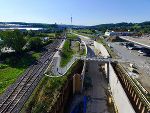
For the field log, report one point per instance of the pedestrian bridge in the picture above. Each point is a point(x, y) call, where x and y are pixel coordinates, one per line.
point(99, 59)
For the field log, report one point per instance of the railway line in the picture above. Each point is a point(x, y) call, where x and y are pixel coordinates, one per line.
point(16, 98)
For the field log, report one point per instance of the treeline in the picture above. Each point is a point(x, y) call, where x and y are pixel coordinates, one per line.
point(143, 27)
point(23, 24)
point(26, 40)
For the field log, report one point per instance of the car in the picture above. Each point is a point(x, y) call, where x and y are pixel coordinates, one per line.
point(130, 45)
point(141, 52)
point(130, 48)
point(136, 48)
point(91, 44)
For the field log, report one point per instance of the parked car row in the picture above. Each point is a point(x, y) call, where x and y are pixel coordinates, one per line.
point(141, 50)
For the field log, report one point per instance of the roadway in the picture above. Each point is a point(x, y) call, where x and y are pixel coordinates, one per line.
point(97, 93)
point(97, 98)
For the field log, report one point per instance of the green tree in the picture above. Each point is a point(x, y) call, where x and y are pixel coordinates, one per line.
point(0, 46)
point(35, 43)
point(13, 39)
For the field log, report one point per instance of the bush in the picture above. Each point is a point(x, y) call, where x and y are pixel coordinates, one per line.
point(3, 66)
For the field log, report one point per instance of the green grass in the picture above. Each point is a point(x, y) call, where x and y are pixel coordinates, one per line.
point(10, 71)
point(76, 47)
point(67, 54)
point(36, 55)
point(71, 36)
point(88, 35)
point(8, 76)
point(85, 31)
point(44, 96)
point(83, 52)
point(51, 35)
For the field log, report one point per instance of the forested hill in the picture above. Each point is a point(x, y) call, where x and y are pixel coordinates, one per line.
point(36, 25)
point(143, 27)
point(23, 24)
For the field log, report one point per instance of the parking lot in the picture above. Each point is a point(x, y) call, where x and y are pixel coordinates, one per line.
point(141, 61)
point(143, 39)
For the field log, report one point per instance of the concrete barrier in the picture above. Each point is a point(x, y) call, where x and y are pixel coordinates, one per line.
point(119, 96)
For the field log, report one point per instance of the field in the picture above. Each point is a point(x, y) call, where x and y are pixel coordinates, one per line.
point(10, 72)
point(72, 36)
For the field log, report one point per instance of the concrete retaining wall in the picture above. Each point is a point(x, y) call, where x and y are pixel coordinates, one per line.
point(84, 67)
point(121, 100)
point(119, 96)
point(100, 47)
point(83, 75)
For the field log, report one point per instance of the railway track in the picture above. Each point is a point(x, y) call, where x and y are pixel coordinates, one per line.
point(30, 79)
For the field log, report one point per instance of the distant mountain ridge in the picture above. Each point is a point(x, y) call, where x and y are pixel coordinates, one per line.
point(143, 26)
point(39, 25)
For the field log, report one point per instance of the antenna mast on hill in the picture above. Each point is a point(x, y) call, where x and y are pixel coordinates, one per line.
point(71, 20)
point(71, 25)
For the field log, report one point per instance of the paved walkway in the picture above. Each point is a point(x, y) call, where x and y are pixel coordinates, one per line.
point(56, 69)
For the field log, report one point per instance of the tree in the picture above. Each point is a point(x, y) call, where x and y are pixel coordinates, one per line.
point(35, 43)
point(0, 46)
point(58, 33)
point(13, 39)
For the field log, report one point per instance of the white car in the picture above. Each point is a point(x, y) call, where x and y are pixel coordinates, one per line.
point(130, 48)
point(141, 52)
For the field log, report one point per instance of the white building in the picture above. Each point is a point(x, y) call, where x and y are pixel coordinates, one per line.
point(109, 33)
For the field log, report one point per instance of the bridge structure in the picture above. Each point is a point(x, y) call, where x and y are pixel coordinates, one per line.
point(64, 38)
point(102, 59)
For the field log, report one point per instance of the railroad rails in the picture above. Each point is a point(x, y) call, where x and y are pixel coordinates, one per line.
point(15, 99)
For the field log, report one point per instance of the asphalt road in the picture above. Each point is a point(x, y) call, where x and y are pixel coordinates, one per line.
point(90, 52)
point(97, 98)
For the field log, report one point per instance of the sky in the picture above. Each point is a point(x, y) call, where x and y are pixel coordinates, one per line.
point(83, 12)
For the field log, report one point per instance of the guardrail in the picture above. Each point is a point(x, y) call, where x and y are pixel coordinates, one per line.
point(141, 95)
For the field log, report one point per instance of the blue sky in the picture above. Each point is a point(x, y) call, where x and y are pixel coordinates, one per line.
point(84, 12)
